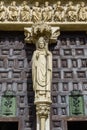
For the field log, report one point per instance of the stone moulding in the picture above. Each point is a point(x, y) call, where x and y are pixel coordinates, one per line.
point(68, 15)
point(59, 11)
point(64, 26)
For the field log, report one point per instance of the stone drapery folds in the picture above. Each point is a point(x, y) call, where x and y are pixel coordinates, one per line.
point(41, 35)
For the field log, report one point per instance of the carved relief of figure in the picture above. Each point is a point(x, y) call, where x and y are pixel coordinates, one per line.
point(36, 12)
point(13, 11)
point(59, 12)
point(25, 12)
point(71, 12)
point(82, 13)
point(2, 11)
point(42, 70)
point(47, 12)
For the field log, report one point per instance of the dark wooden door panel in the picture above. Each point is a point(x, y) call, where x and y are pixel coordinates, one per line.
point(69, 73)
point(15, 72)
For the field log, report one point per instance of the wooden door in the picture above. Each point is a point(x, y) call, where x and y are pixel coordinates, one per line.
point(69, 74)
point(15, 73)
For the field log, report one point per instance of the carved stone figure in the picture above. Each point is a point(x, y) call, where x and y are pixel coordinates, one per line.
point(25, 12)
point(42, 71)
point(71, 12)
point(13, 12)
point(47, 12)
point(59, 12)
point(2, 11)
point(82, 13)
point(42, 34)
point(36, 12)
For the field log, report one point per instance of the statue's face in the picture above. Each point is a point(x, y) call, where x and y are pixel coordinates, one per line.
point(13, 3)
point(37, 4)
point(41, 43)
point(1, 3)
point(70, 3)
point(46, 3)
point(24, 3)
point(82, 4)
point(59, 3)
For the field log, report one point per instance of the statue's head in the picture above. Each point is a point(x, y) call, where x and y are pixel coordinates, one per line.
point(24, 3)
point(13, 3)
point(41, 43)
point(70, 3)
point(36, 3)
point(82, 4)
point(2, 3)
point(46, 3)
point(58, 2)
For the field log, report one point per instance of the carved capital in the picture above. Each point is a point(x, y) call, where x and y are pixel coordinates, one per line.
point(55, 34)
point(43, 109)
point(43, 112)
point(41, 30)
point(28, 35)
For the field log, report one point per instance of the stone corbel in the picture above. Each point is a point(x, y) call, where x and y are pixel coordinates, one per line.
point(29, 34)
point(55, 34)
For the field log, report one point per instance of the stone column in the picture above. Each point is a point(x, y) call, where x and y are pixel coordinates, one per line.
point(43, 111)
point(41, 35)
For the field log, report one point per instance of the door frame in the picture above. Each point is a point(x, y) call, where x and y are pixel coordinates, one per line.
point(12, 119)
point(73, 119)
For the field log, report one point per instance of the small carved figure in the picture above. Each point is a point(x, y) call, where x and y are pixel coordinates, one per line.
point(13, 12)
point(71, 12)
point(2, 11)
point(82, 13)
point(25, 12)
point(59, 12)
point(47, 12)
point(36, 13)
point(42, 70)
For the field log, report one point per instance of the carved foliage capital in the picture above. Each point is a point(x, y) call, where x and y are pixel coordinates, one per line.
point(41, 30)
point(43, 109)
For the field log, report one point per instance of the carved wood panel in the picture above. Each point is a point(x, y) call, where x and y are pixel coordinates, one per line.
point(15, 72)
point(69, 73)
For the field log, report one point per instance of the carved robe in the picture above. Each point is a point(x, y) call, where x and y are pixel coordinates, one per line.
point(82, 14)
point(47, 13)
point(2, 13)
point(25, 13)
point(42, 72)
point(13, 13)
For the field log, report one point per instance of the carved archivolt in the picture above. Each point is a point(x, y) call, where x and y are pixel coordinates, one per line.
point(57, 12)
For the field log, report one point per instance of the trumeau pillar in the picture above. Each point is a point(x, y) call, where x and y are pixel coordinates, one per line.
point(41, 35)
point(68, 15)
